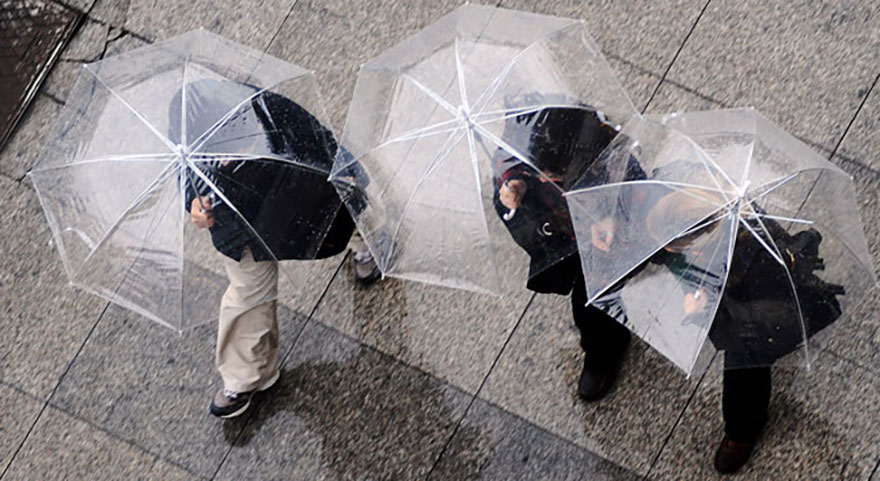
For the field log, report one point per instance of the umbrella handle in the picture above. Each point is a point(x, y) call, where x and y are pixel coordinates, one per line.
point(212, 196)
point(509, 215)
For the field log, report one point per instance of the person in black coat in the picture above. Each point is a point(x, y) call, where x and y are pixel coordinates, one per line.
point(284, 209)
point(758, 320)
point(563, 142)
point(266, 200)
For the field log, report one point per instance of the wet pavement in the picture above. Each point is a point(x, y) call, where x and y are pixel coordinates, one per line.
point(403, 381)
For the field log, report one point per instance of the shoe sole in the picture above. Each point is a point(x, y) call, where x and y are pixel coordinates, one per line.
point(237, 413)
point(368, 280)
point(265, 386)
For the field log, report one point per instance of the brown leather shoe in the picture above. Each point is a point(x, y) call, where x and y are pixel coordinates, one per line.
point(732, 455)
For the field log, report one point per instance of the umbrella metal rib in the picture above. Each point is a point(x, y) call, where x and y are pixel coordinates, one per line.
point(137, 200)
point(134, 111)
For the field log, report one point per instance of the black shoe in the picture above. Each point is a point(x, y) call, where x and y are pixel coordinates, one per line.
point(229, 404)
point(600, 372)
point(732, 455)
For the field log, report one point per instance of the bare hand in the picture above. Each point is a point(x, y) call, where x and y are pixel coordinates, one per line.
point(602, 233)
point(695, 302)
point(511, 193)
point(201, 216)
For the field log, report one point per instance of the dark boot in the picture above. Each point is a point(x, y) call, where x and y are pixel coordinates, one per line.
point(601, 369)
point(604, 341)
point(744, 402)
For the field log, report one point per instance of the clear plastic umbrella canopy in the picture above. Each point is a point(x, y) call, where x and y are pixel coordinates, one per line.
point(736, 237)
point(192, 121)
point(439, 120)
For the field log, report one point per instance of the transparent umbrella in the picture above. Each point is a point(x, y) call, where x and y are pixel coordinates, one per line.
point(738, 238)
point(439, 120)
point(195, 122)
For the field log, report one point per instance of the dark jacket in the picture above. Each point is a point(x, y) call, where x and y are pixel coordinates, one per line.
point(290, 209)
point(562, 142)
point(757, 321)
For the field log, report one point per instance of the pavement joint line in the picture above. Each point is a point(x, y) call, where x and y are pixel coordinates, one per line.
point(119, 437)
point(855, 363)
point(550, 433)
point(651, 73)
point(280, 27)
point(398, 362)
point(675, 57)
point(430, 375)
point(875, 471)
point(480, 388)
point(855, 115)
point(282, 362)
point(680, 417)
point(53, 98)
point(54, 389)
point(458, 388)
point(384, 354)
point(21, 391)
point(835, 152)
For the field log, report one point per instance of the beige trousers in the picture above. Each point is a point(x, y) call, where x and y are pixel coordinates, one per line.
point(247, 340)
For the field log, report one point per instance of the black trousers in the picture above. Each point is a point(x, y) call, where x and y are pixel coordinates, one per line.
point(602, 337)
point(744, 402)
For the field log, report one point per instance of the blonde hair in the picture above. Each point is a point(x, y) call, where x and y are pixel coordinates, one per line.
point(682, 207)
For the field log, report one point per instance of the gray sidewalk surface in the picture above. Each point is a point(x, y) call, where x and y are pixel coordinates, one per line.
point(372, 387)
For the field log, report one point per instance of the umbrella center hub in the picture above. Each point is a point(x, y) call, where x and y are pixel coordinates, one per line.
point(465, 115)
point(182, 153)
point(741, 200)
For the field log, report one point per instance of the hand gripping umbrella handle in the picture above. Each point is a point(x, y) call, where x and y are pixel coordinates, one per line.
point(212, 196)
point(509, 215)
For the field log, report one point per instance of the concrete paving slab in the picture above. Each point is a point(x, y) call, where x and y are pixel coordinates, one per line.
point(111, 12)
point(345, 411)
point(24, 146)
point(676, 98)
point(333, 38)
point(44, 320)
point(62, 447)
point(249, 22)
point(822, 426)
point(807, 65)
point(512, 449)
point(638, 82)
point(81, 5)
point(86, 46)
point(536, 379)
point(643, 32)
point(18, 412)
point(449, 333)
point(858, 156)
point(146, 384)
point(88, 42)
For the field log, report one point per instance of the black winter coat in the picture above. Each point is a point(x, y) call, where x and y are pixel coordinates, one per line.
point(563, 142)
point(295, 212)
point(757, 321)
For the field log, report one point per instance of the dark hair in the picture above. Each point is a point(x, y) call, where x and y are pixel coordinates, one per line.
point(559, 135)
